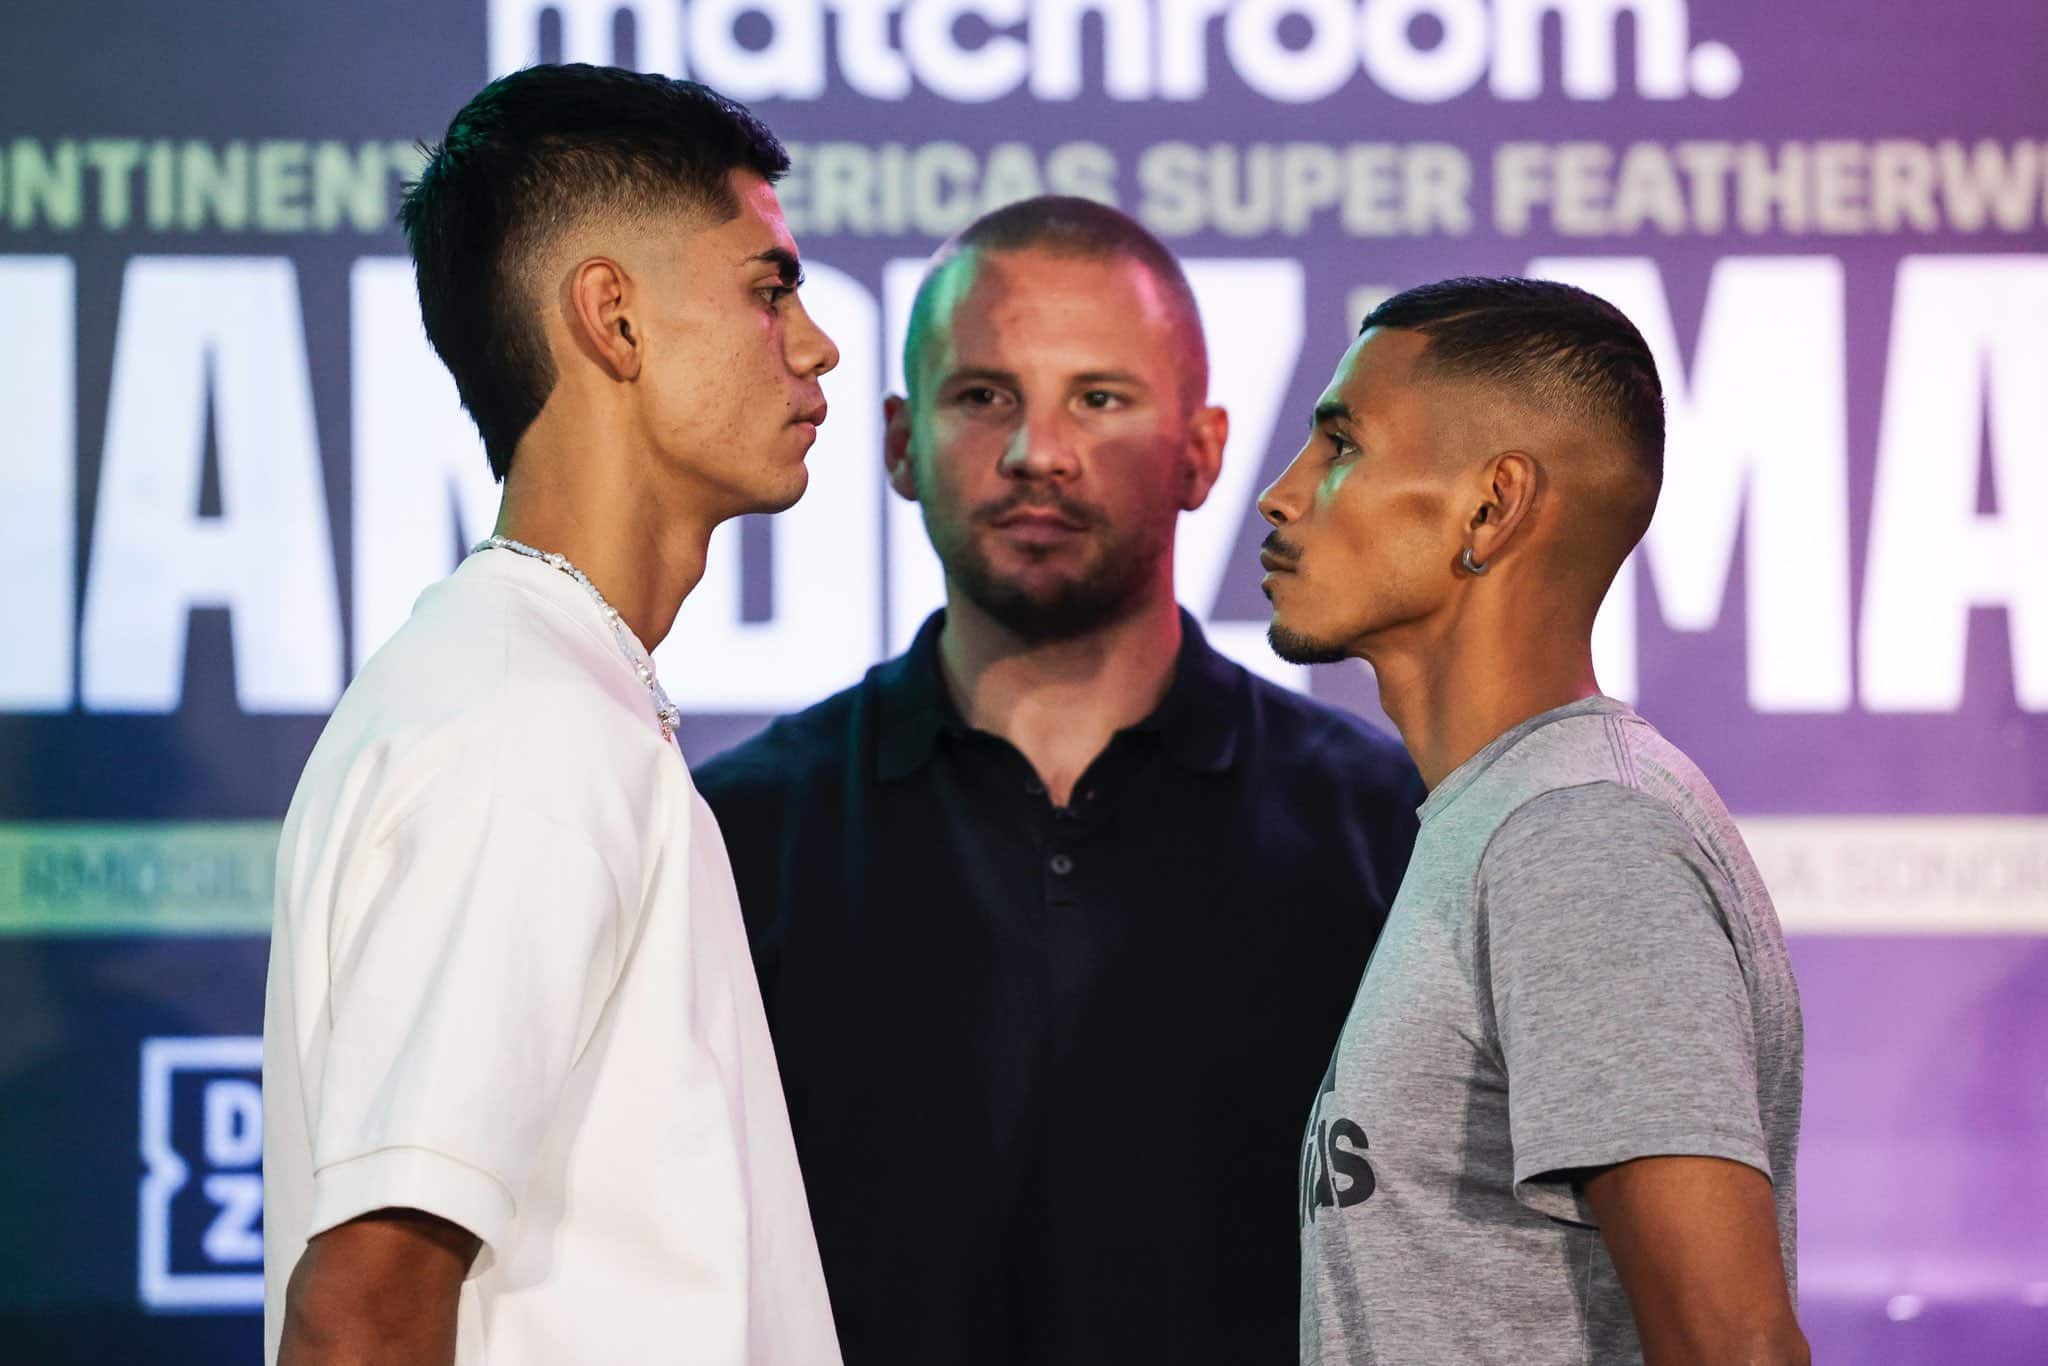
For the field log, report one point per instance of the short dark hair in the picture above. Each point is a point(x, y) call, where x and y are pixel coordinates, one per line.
point(1563, 347)
point(530, 154)
point(1067, 225)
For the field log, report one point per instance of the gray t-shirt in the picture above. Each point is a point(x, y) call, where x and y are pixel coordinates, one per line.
point(1582, 967)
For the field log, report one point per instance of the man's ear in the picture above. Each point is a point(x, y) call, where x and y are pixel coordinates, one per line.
point(1208, 431)
point(1512, 481)
point(603, 319)
point(896, 447)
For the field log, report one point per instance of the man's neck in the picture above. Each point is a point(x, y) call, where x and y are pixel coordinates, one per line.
point(643, 554)
point(1059, 702)
point(1465, 689)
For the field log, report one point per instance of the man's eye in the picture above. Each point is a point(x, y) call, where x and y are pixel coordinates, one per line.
point(1340, 449)
point(1102, 398)
point(773, 295)
point(978, 396)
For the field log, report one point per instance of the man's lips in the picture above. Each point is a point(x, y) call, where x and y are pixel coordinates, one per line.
point(1274, 564)
point(1036, 519)
point(814, 415)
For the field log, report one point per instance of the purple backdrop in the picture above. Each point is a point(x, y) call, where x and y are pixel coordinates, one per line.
point(229, 463)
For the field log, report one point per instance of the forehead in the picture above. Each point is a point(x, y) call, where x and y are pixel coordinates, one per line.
point(1377, 366)
point(1377, 381)
point(1034, 305)
point(757, 227)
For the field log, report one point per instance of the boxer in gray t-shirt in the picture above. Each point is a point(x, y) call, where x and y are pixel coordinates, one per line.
point(1582, 968)
point(1561, 1121)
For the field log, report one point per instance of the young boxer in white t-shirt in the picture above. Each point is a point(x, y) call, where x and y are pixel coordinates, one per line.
point(521, 1105)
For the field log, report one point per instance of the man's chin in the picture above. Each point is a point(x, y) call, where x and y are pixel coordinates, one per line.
point(1046, 608)
point(1298, 648)
point(784, 496)
point(1062, 617)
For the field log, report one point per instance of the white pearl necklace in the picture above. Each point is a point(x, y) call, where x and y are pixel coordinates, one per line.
point(665, 711)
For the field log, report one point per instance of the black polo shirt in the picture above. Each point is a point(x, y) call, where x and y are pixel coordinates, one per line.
point(1048, 1068)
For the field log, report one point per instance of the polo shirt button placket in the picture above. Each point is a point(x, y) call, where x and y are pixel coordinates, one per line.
point(1059, 880)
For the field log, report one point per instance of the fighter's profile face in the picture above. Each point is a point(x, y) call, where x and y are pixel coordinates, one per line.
point(732, 394)
point(1363, 527)
point(1048, 439)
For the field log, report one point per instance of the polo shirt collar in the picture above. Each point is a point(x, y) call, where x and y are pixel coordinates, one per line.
point(1196, 722)
point(912, 707)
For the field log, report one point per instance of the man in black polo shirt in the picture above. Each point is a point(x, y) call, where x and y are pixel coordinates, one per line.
point(1056, 914)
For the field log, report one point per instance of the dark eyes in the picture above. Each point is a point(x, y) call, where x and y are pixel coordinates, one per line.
point(1340, 449)
point(988, 396)
point(773, 295)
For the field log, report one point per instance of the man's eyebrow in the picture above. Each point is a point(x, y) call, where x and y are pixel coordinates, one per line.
point(1333, 410)
point(984, 373)
point(1111, 377)
point(783, 259)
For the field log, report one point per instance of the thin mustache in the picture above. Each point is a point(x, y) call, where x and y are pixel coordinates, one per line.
point(1280, 549)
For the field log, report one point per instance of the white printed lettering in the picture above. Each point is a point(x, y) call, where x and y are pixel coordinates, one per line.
point(1590, 47)
point(969, 75)
point(38, 480)
point(1756, 436)
point(791, 65)
point(222, 331)
point(1969, 349)
point(420, 486)
point(1126, 48)
point(235, 1235)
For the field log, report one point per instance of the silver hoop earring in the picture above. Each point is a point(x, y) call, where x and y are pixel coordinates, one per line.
point(1470, 565)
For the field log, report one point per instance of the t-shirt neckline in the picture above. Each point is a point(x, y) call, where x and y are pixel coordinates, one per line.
point(559, 588)
point(1467, 773)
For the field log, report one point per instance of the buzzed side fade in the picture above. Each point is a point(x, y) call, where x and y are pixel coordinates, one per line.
point(1546, 342)
point(529, 155)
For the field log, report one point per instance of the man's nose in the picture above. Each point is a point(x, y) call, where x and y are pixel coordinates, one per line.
point(811, 352)
point(1280, 502)
point(1270, 506)
point(1041, 448)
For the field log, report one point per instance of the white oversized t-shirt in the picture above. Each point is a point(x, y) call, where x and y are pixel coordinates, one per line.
point(510, 986)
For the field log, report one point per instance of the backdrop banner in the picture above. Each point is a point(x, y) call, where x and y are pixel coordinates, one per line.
point(229, 462)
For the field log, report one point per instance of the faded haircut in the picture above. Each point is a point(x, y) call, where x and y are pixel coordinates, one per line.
point(1551, 344)
point(1066, 225)
point(532, 154)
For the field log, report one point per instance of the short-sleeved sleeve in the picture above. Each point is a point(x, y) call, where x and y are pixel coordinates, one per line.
point(1619, 1004)
point(468, 966)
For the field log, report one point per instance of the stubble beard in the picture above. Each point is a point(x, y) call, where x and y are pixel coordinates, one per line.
point(1296, 648)
point(1109, 590)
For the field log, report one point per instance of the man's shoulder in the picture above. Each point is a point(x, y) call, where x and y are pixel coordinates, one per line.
point(1298, 731)
point(489, 693)
point(793, 752)
point(486, 634)
point(1600, 810)
point(517, 669)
